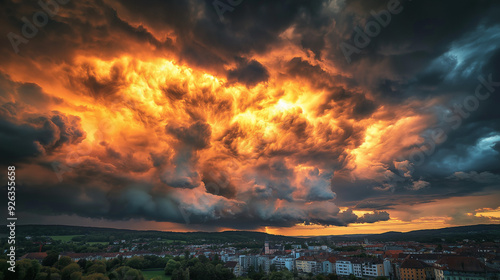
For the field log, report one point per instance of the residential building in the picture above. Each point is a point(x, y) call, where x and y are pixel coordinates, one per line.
point(344, 267)
point(463, 268)
point(413, 269)
point(360, 267)
point(39, 256)
point(372, 269)
point(282, 262)
point(329, 266)
point(308, 264)
point(234, 267)
point(263, 263)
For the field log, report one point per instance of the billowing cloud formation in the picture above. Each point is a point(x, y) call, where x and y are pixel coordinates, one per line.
point(167, 112)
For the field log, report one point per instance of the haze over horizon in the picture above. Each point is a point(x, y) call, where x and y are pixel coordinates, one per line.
point(347, 233)
point(292, 117)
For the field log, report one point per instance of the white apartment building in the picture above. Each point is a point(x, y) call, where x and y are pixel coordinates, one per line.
point(359, 268)
point(328, 267)
point(284, 262)
point(373, 269)
point(343, 267)
point(308, 264)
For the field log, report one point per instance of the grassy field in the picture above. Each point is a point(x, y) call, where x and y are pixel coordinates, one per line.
point(64, 238)
point(149, 274)
point(97, 243)
point(172, 241)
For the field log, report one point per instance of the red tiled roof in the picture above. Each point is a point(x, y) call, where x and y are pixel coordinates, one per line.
point(461, 263)
point(306, 258)
point(412, 263)
point(230, 264)
point(35, 256)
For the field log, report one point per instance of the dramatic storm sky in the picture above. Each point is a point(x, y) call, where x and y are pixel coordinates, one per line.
point(276, 116)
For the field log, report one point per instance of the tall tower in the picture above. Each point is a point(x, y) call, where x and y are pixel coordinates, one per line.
point(266, 247)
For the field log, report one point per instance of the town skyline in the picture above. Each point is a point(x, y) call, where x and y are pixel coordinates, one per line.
point(296, 118)
point(469, 251)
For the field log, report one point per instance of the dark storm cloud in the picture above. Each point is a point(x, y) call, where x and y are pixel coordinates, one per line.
point(96, 190)
point(26, 136)
point(196, 135)
point(315, 75)
point(26, 94)
point(374, 205)
point(32, 94)
point(348, 217)
point(209, 42)
point(100, 88)
point(21, 142)
point(375, 217)
point(430, 49)
point(91, 191)
point(413, 43)
point(252, 219)
point(217, 183)
point(76, 26)
point(249, 73)
point(189, 139)
point(483, 177)
point(70, 130)
point(175, 92)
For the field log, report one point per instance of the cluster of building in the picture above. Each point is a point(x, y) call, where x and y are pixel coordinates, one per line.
point(393, 260)
point(303, 262)
point(404, 261)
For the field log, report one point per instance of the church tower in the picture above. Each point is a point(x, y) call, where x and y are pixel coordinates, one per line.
point(266, 247)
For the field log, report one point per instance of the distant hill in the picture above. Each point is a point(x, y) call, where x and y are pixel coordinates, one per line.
point(104, 234)
point(451, 234)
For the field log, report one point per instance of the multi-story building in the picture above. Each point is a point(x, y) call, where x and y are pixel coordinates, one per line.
point(463, 268)
point(39, 256)
point(234, 267)
point(344, 267)
point(426, 258)
point(308, 264)
point(247, 261)
point(263, 263)
point(329, 266)
point(372, 269)
point(229, 257)
point(357, 268)
point(360, 267)
point(259, 262)
point(282, 262)
point(413, 269)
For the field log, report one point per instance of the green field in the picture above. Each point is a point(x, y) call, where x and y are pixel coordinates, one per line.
point(149, 274)
point(172, 241)
point(64, 238)
point(97, 243)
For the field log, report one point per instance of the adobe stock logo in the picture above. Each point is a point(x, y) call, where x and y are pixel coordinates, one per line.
point(372, 29)
point(39, 19)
